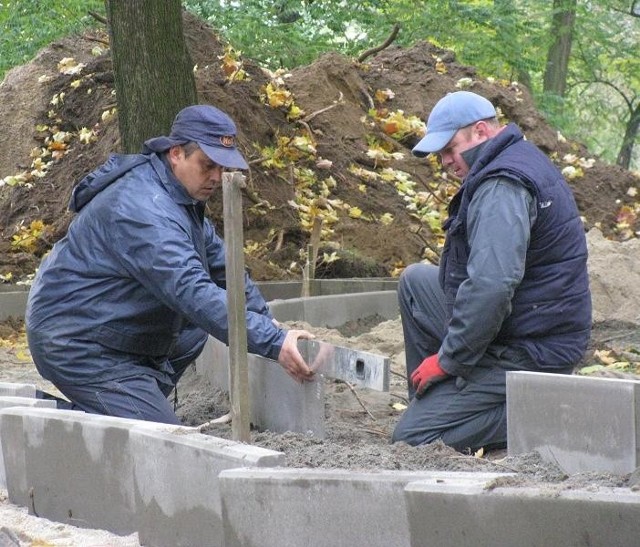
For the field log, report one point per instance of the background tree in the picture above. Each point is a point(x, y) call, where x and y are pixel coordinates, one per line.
point(555, 75)
point(153, 72)
point(604, 85)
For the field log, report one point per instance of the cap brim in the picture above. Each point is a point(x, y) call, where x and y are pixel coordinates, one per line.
point(433, 142)
point(160, 144)
point(226, 157)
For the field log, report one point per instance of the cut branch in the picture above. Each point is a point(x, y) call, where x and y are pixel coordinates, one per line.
point(99, 17)
point(385, 44)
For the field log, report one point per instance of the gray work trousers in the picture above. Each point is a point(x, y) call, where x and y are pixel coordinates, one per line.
point(138, 395)
point(465, 413)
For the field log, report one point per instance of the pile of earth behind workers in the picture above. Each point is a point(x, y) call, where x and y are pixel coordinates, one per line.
point(337, 96)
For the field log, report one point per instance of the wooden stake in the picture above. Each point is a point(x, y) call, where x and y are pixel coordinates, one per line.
point(232, 184)
point(309, 270)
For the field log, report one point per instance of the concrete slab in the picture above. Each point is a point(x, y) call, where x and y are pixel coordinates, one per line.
point(8, 389)
point(278, 403)
point(284, 290)
point(121, 475)
point(177, 492)
point(583, 424)
point(336, 310)
point(70, 466)
point(471, 516)
point(8, 402)
point(333, 508)
point(13, 299)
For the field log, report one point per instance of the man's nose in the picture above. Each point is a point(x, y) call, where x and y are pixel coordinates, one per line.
point(216, 173)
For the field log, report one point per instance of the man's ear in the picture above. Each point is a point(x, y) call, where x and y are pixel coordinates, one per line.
point(175, 154)
point(482, 129)
point(485, 130)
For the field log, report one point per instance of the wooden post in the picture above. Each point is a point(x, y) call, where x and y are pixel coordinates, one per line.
point(232, 183)
point(309, 271)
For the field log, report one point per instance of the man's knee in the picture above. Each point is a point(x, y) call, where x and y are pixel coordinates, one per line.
point(413, 431)
point(415, 274)
point(464, 431)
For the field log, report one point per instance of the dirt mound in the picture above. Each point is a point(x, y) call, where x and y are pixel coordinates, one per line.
point(337, 96)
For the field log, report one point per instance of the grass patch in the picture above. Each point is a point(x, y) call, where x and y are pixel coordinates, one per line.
point(29, 25)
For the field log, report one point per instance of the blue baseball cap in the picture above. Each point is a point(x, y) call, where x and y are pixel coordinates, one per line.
point(208, 126)
point(454, 111)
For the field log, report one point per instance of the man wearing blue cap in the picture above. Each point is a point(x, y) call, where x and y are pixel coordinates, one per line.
point(125, 301)
point(511, 291)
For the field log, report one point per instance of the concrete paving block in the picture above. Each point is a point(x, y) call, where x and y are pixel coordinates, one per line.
point(278, 403)
point(336, 310)
point(581, 423)
point(121, 475)
point(8, 402)
point(471, 516)
point(176, 484)
point(8, 389)
point(332, 508)
point(71, 467)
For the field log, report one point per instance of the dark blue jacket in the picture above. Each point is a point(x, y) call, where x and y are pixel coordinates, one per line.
point(551, 308)
point(139, 262)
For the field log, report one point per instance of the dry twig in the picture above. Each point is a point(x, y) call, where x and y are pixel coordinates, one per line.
point(325, 109)
point(385, 44)
point(355, 394)
point(225, 419)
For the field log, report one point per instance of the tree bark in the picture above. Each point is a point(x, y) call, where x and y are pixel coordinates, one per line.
point(555, 76)
point(152, 68)
point(630, 134)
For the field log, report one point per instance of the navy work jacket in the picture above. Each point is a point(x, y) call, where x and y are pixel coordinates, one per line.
point(139, 262)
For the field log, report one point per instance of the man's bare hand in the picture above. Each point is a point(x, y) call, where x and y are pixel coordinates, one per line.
point(290, 357)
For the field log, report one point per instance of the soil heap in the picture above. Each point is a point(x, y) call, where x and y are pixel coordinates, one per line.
point(347, 106)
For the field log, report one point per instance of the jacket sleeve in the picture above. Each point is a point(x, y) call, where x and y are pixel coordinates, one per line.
point(499, 222)
point(216, 261)
point(157, 251)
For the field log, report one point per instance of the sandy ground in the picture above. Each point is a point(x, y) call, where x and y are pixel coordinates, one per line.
point(359, 422)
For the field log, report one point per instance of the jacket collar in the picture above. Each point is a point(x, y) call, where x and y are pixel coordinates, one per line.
point(172, 185)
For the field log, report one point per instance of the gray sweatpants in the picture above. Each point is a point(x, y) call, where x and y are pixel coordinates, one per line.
point(465, 413)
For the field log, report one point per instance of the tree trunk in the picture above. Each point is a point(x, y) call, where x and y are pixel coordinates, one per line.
point(630, 134)
point(152, 68)
point(555, 75)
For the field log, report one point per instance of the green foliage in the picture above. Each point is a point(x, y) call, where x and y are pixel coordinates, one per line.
point(505, 39)
point(604, 84)
point(288, 33)
point(29, 25)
